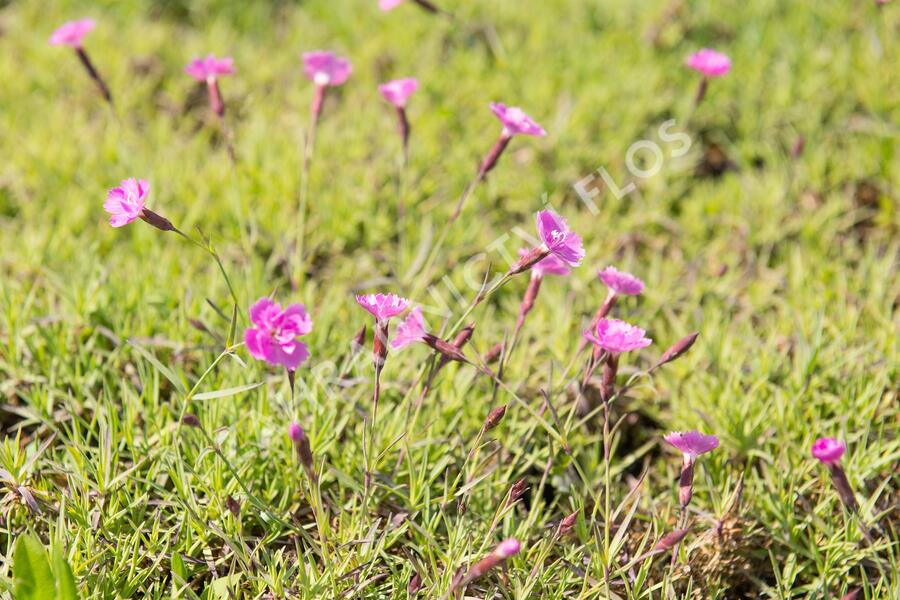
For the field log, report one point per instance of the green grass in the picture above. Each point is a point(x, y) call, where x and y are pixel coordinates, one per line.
point(788, 268)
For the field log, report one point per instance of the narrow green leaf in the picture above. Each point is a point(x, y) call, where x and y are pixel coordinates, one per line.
point(164, 370)
point(227, 391)
point(233, 328)
point(31, 571)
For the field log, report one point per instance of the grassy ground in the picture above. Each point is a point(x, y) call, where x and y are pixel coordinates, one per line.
point(787, 267)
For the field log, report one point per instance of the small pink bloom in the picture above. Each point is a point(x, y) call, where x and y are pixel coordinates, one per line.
point(274, 337)
point(126, 202)
point(410, 330)
point(387, 5)
point(324, 68)
point(562, 243)
point(617, 336)
point(550, 265)
point(72, 33)
point(295, 432)
point(620, 282)
point(383, 306)
point(507, 548)
point(828, 450)
point(204, 69)
point(516, 121)
point(709, 62)
point(692, 443)
point(398, 91)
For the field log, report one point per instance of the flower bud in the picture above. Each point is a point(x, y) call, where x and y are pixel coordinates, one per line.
point(677, 349)
point(494, 418)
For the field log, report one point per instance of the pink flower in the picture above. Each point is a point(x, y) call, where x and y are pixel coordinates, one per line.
point(396, 92)
point(617, 336)
point(558, 239)
point(828, 450)
point(709, 62)
point(126, 202)
point(383, 306)
point(387, 5)
point(507, 548)
point(324, 68)
point(550, 265)
point(274, 337)
point(295, 432)
point(692, 443)
point(209, 68)
point(516, 121)
point(620, 282)
point(410, 330)
point(72, 33)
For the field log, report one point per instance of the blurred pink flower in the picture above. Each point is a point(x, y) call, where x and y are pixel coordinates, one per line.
point(617, 336)
point(274, 337)
point(692, 443)
point(387, 5)
point(126, 202)
point(507, 548)
point(412, 329)
point(828, 450)
point(558, 239)
point(383, 306)
point(204, 69)
point(396, 92)
point(709, 62)
point(550, 265)
point(515, 121)
point(72, 33)
point(620, 282)
point(295, 432)
point(325, 69)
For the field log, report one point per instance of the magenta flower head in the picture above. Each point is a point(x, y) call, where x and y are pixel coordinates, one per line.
point(126, 202)
point(273, 338)
point(709, 62)
point(692, 443)
point(617, 336)
point(559, 239)
point(507, 548)
point(621, 283)
point(411, 330)
point(295, 432)
point(515, 121)
point(386, 5)
point(325, 69)
point(72, 33)
point(550, 265)
point(398, 91)
point(828, 450)
point(209, 68)
point(383, 306)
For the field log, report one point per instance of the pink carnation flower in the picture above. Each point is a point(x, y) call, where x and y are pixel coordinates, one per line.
point(617, 336)
point(398, 91)
point(126, 202)
point(274, 337)
point(412, 329)
point(828, 450)
point(326, 69)
point(620, 282)
point(387, 5)
point(515, 121)
point(558, 239)
point(550, 265)
point(72, 33)
point(709, 62)
point(692, 443)
point(383, 306)
point(204, 69)
point(507, 548)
